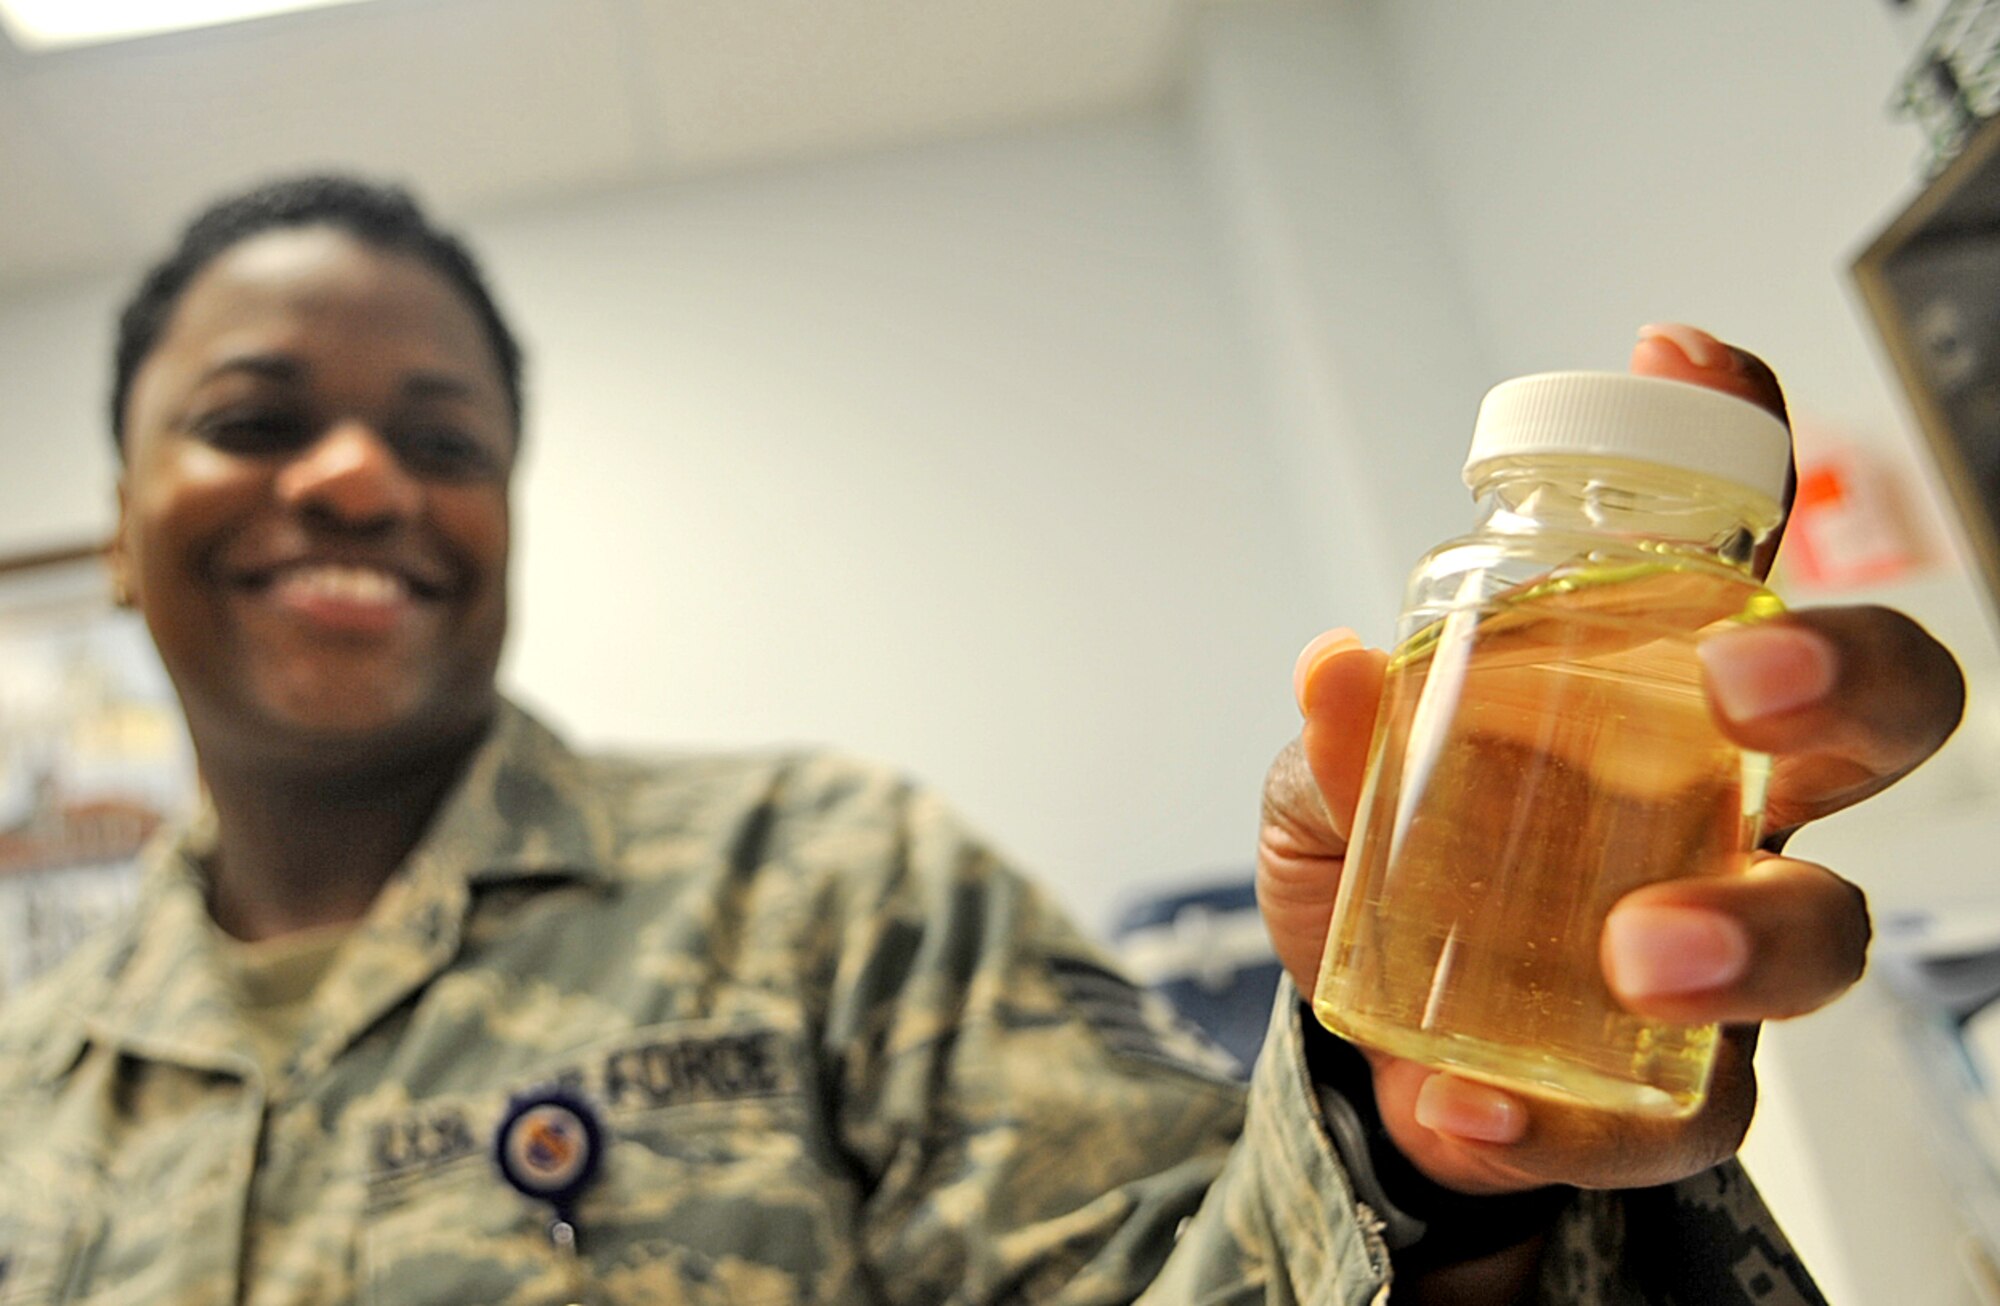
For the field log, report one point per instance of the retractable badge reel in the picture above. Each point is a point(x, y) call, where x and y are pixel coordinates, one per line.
point(549, 1148)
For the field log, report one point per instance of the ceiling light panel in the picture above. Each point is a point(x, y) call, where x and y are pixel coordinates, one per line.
point(42, 25)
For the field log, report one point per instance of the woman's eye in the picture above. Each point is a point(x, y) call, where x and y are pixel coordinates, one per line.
point(254, 432)
point(444, 452)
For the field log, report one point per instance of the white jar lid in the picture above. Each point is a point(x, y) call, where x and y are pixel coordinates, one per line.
point(1674, 424)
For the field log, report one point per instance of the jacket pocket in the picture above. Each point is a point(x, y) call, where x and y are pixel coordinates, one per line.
point(721, 1202)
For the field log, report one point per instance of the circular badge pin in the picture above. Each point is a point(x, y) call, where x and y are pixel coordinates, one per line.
point(549, 1146)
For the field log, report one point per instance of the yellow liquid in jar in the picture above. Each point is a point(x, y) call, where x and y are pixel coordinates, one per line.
point(1537, 757)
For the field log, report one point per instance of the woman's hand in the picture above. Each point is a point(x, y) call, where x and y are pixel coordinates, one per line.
point(1847, 700)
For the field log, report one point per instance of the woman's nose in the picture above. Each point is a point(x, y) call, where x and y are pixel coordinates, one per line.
point(350, 477)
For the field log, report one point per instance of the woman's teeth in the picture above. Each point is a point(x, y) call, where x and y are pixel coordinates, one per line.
point(345, 584)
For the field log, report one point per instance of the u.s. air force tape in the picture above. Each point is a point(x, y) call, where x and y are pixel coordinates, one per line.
point(549, 1147)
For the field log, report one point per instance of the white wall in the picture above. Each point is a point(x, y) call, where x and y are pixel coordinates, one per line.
point(954, 457)
point(56, 462)
point(1358, 312)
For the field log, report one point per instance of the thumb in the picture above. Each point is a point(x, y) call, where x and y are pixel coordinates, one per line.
point(1310, 795)
point(1339, 684)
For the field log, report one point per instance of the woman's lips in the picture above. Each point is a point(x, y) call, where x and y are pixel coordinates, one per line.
point(342, 598)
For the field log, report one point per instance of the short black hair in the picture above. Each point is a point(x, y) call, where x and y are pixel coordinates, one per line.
point(384, 216)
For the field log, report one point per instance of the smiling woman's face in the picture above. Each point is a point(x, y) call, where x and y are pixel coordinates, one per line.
point(314, 509)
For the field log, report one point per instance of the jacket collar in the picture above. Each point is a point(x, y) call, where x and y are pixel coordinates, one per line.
point(524, 810)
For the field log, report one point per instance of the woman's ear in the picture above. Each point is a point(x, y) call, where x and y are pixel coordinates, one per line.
point(116, 560)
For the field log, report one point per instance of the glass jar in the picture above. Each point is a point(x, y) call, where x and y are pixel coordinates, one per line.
point(1545, 746)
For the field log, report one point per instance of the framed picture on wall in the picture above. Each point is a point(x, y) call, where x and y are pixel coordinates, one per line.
point(1931, 281)
point(93, 756)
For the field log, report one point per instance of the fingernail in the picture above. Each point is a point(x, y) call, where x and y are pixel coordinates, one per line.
point(1659, 951)
point(1449, 1105)
point(1760, 671)
point(1322, 647)
point(1694, 344)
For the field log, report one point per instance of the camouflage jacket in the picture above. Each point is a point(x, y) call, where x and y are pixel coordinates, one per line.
point(837, 1052)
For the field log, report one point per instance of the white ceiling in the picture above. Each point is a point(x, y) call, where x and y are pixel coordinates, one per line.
point(482, 104)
